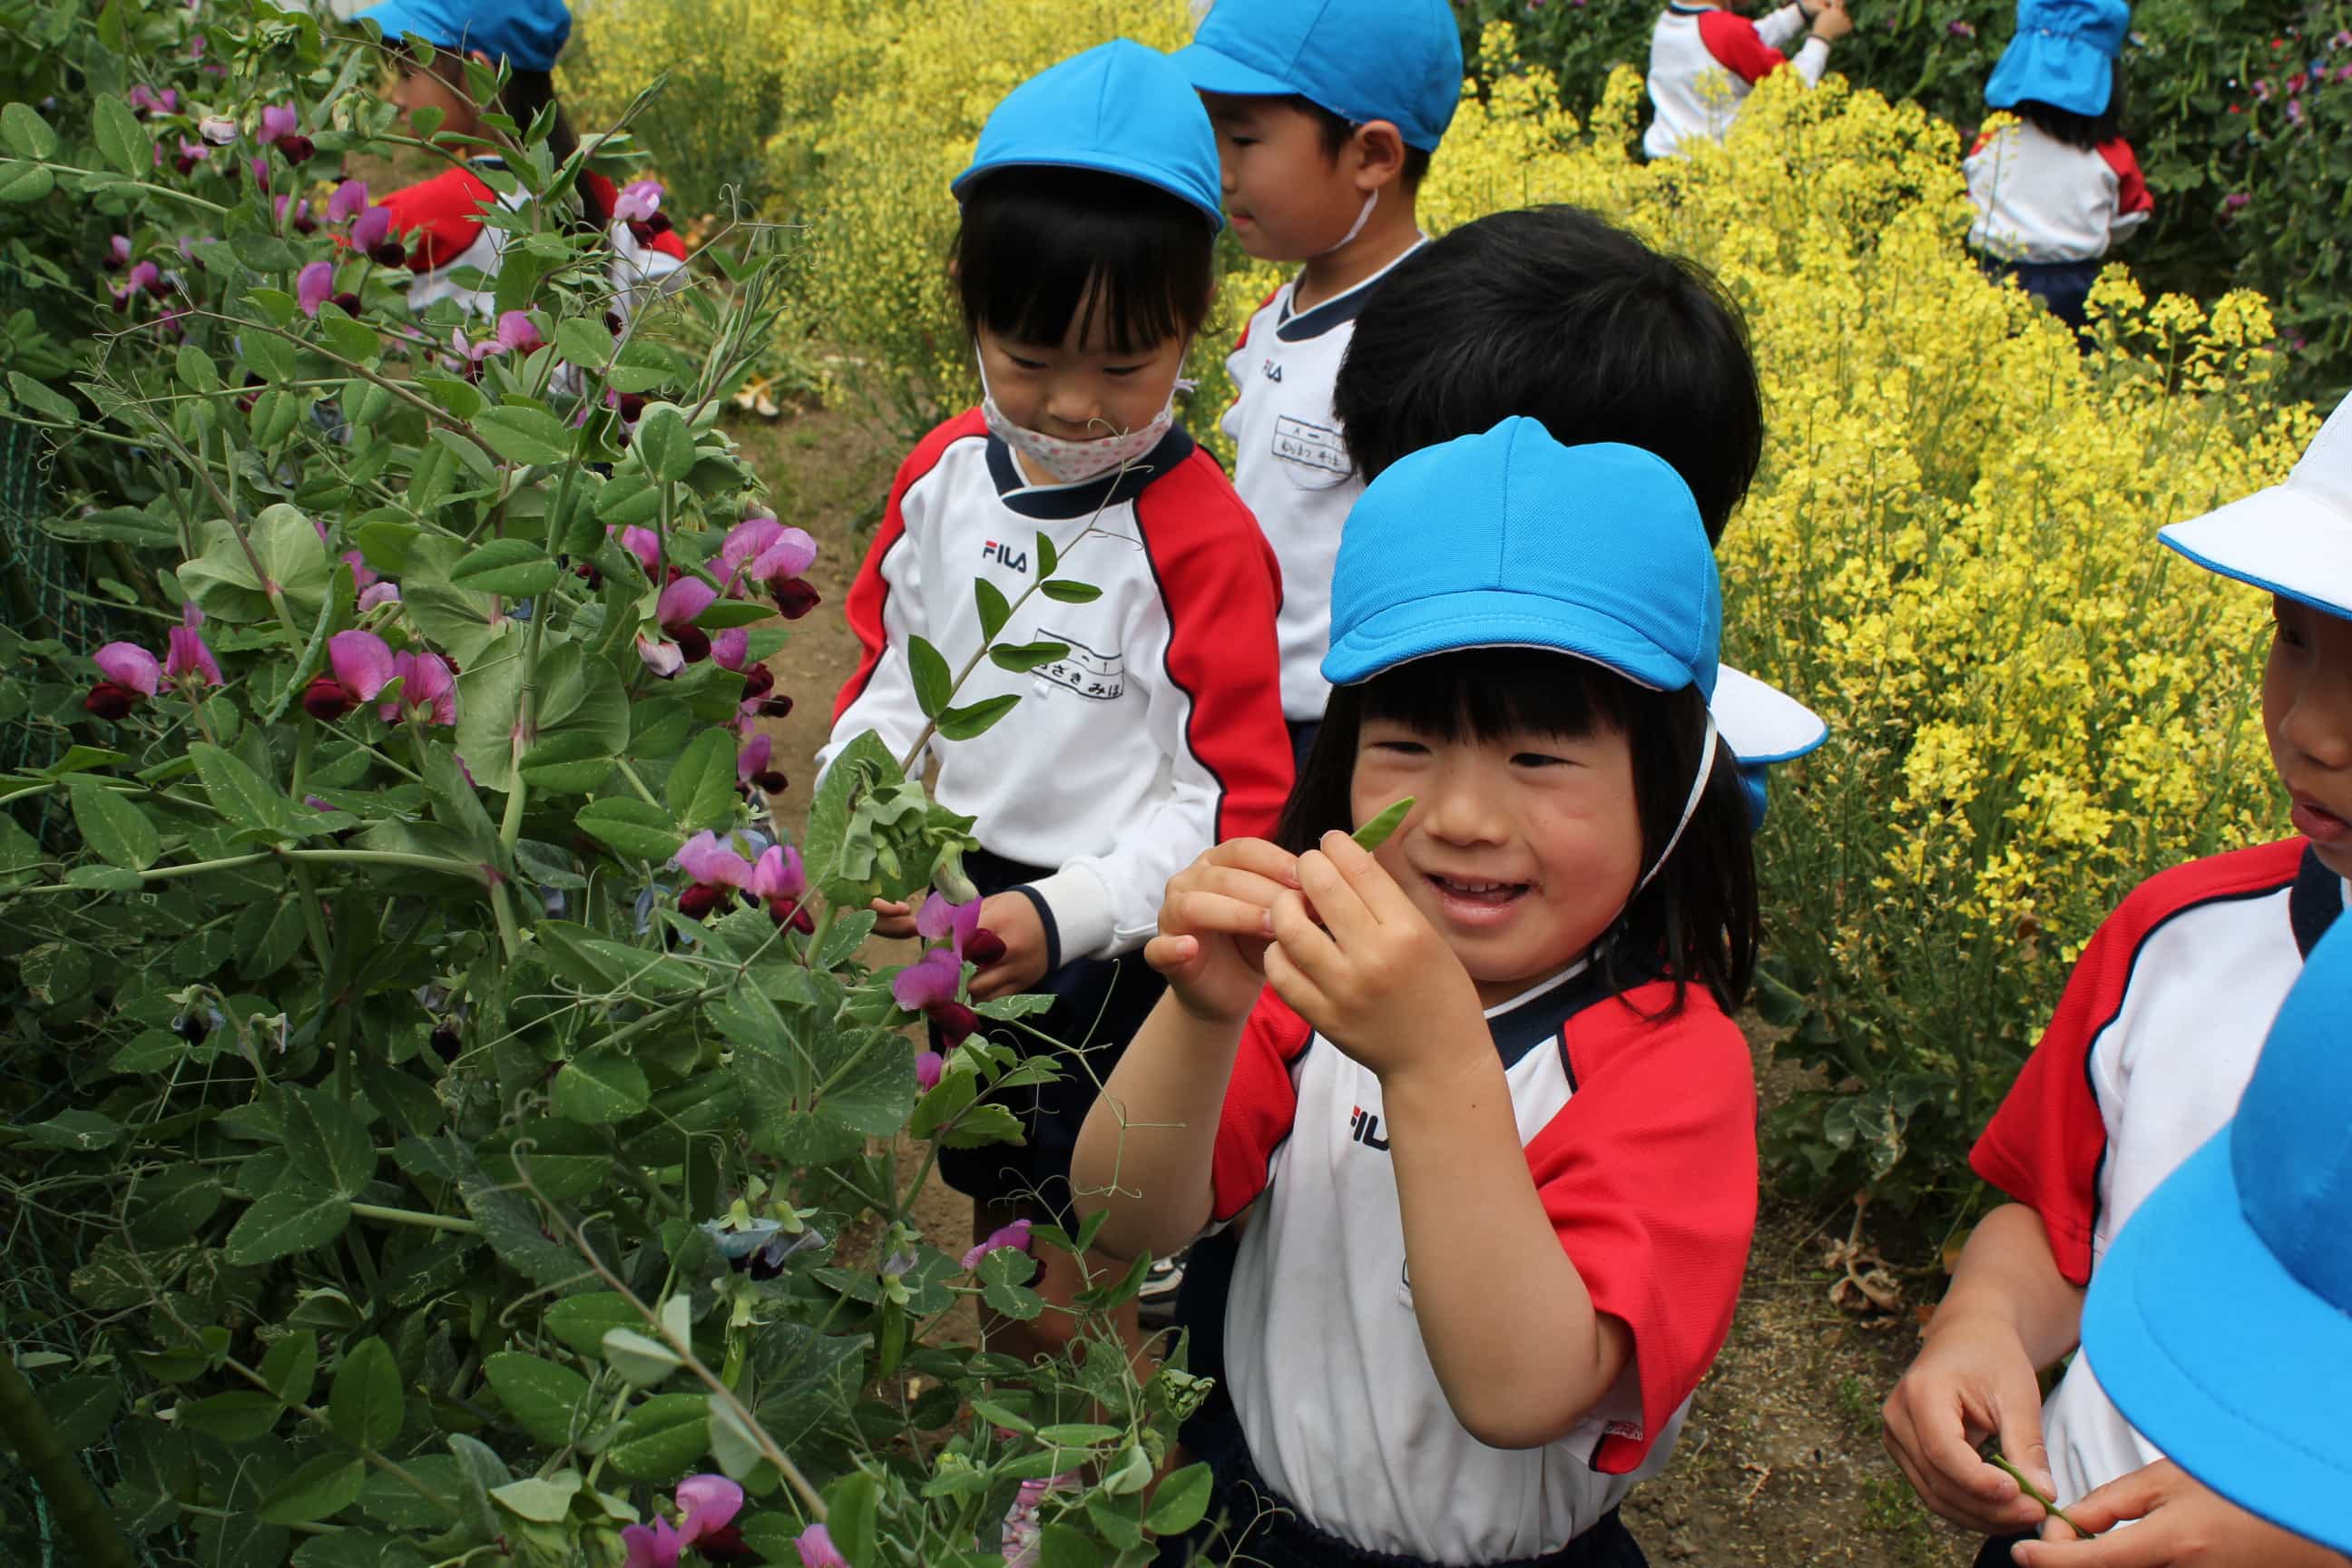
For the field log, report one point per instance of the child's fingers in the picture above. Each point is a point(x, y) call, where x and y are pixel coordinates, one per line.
point(1307, 946)
point(1369, 878)
point(1268, 860)
point(1177, 957)
point(1302, 996)
point(1339, 903)
point(1203, 913)
point(1251, 887)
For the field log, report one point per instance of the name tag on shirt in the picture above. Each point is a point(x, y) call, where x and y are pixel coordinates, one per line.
point(1297, 441)
point(1100, 676)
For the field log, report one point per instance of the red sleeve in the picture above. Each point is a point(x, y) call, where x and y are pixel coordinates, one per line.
point(1251, 320)
point(1737, 46)
point(603, 196)
point(2131, 188)
point(440, 217)
point(1221, 586)
point(872, 590)
point(1649, 1176)
point(671, 243)
point(2045, 1144)
point(1261, 1102)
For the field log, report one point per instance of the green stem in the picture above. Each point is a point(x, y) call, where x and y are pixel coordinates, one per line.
point(201, 1511)
point(638, 784)
point(116, 181)
point(414, 1217)
point(80, 1512)
point(2029, 1490)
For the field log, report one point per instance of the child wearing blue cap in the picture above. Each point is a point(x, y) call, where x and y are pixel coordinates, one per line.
point(1471, 1097)
point(2250, 1230)
point(1084, 268)
point(2152, 1044)
point(1327, 112)
point(440, 227)
point(1704, 59)
point(2054, 191)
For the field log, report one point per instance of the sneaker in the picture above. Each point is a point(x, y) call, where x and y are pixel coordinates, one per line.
point(1157, 1303)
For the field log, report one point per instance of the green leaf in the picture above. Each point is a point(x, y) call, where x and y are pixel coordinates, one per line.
point(733, 1442)
point(238, 793)
point(194, 366)
point(266, 354)
point(701, 787)
point(28, 135)
point(975, 718)
point(630, 828)
point(543, 1398)
point(567, 762)
point(1049, 560)
point(524, 435)
point(583, 343)
point(599, 1087)
point(122, 140)
point(663, 444)
point(583, 1321)
point(1070, 593)
point(291, 1367)
point(542, 1502)
point(222, 581)
point(85, 1130)
point(1023, 657)
point(365, 1407)
point(240, 1416)
point(284, 1221)
point(661, 1438)
point(1062, 1546)
point(993, 611)
point(641, 1358)
point(1182, 1501)
point(25, 182)
point(934, 683)
point(515, 567)
point(275, 414)
point(327, 1141)
point(81, 1409)
point(325, 1485)
point(354, 340)
point(852, 1507)
point(42, 399)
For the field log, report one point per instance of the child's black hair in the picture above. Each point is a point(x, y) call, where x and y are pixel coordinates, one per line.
point(2087, 131)
point(1554, 313)
point(1697, 921)
point(1337, 127)
point(1039, 247)
point(526, 96)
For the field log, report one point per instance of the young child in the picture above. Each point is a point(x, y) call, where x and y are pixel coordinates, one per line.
point(2249, 1231)
point(2152, 1043)
point(1327, 112)
point(1084, 267)
point(439, 223)
point(1474, 1096)
point(2055, 190)
point(1705, 60)
point(1554, 313)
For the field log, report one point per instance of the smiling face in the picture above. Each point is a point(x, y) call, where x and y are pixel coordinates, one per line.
point(2307, 714)
point(1286, 195)
point(1522, 848)
point(1081, 388)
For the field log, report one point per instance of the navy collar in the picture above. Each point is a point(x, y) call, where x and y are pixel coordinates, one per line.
point(1052, 504)
point(1341, 308)
point(1535, 1018)
point(2317, 898)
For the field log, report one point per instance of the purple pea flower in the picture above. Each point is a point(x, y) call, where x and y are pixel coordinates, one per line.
point(314, 286)
point(131, 675)
point(714, 869)
point(187, 658)
point(637, 201)
point(1015, 1236)
point(930, 1067)
point(816, 1549)
point(277, 119)
point(363, 666)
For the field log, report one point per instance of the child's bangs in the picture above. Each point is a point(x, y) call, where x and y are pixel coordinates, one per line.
point(1485, 694)
point(1040, 249)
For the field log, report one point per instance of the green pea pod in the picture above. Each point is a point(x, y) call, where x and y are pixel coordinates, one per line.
point(2031, 1490)
point(1376, 832)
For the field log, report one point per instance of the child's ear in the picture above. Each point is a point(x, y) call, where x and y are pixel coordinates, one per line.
point(479, 59)
point(1377, 149)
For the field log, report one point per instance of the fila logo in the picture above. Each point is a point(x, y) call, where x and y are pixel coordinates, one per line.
point(1364, 1127)
point(1272, 371)
point(1005, 555)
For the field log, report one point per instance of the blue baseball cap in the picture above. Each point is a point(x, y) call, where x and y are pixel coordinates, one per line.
point(1119, 108)
point(1511, 539)
point(2063, 55)
point(1398, 60)
point(2221, 1320)
point(526, 34)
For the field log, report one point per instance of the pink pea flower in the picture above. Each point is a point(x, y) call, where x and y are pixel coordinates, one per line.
point(277, 119)
point(118, 252)
point(363, 666)
point(1014, 1236)
point(363, 577)
point(731, 649)
point(187, 658)
point(958, 926)
point(760, 550)
point(314, 286)
point(428, 690)
point(191, 155)
point(379, 593)
point(930, 1067)
point(714, 869)
point(217, 128)
point(681, 603)
point(928, 986)
point(662, 659)
point(639, 201)
point(131, 675)
point(372, 235)
point(650, 1546)
point(644, 544)
point(144, 277)
point(145, 100)
point(780, 882)
point(517, 333)
point(755, 765)
point(706, 1506)
point(816, 1549)
point(350, 199)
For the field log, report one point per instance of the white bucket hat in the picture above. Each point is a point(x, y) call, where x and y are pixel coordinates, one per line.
point(2294, 539)
point(1762, 724)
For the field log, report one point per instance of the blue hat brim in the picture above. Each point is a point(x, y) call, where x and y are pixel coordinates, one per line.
point(1128, 168)
point(397, 18)
point(1212, 70)
point(2053, 68)
point(2223, 1359)
point(1496, 617)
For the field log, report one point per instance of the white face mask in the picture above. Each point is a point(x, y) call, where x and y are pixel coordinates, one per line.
point(1073, 462)
point(1364, 216)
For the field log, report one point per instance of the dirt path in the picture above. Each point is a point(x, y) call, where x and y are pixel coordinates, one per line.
point(1780, 1465)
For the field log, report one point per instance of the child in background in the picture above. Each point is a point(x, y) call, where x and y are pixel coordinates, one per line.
point(439, 224)
point(2055, 190)
point(1084, 268)
point(1327, 112)
point(2222, 1320)
point(2152, 1044)
point(1485, 1119)
point(1705, 60)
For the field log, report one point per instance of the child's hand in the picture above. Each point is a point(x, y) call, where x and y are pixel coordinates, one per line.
point(1973, 1380)
point(895, 921)
point(1832, 21)
point(2181, 1522)
point(1374, 977)
point(1215, 923)
point(1014, 921)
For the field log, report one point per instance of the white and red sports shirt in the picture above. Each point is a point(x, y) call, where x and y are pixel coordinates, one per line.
point(440, 221)
point(1640, 1135)
point(1704, 61)
point(2144, 1061)
point(1291, 464)
point(1158, 733)
point(2039, 200)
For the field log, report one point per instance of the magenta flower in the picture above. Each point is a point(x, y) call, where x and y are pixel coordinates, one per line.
point(363, 666)
point(372, 235)
point(146, 101)
point(1014, 1236)
point(363, 577)
point(928, 986)
point(144, 277)
point(706, 1505)
point(650, 1546)
point(714, 867)
point(780, 882)
point(187, 658)
point(760, 550)
point(378, 594)
point(731, 648)
point(277, 119)
point(679, 604)
point(816, 1549)
point(428, 690)
point(958, 926)
point(191, 155)
point(516, 334)
point(131, 675)
point(639, 201)
point(350, 200)
point(754, 765)
point(2235, 200)
point(1960, 28)
point(643, 544)
point(314, 286)
point(930, 1067)
point(118, 252)
point(662, 658)
point(219, 129)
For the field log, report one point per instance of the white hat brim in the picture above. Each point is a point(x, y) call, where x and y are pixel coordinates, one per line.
point(2287, 541)
point(1762, 724)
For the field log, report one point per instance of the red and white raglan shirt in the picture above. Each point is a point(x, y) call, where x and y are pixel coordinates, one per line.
point(442, 223)
point(1291, 465)
point(2040, 202)
point(1639, 1127)
point(1704, 62)
point(2146, 1059)
point(1159, 734)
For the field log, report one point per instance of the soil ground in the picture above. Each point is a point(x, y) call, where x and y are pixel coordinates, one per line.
point(1781, 1463)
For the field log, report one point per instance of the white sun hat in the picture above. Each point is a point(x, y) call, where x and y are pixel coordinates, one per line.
point(2294, 539)
point(1763, 724)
